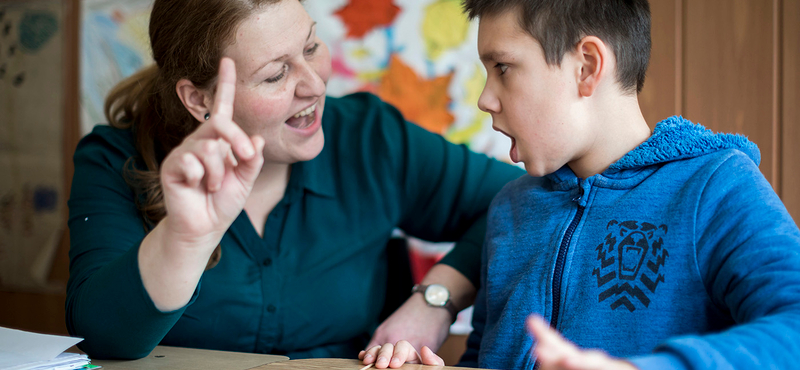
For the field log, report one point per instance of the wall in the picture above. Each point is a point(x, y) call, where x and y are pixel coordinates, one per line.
point(732, 65)
point(44, 312)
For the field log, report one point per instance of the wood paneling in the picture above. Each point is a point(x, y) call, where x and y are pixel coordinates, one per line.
point(453, 348)
point(790, 107)
point(72, 125)
point(41, 313)
point(729, 71)
point(661, 95)
point(44, 312)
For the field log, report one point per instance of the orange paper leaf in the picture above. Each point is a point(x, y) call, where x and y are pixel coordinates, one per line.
point(361, 16)
point(421, 101)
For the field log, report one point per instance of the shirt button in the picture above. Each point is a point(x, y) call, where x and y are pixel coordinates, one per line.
point(271, 309)
point(267, 262)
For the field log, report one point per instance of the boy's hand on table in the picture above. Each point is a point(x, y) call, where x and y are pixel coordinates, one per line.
point(394, 356)
point(553, 352)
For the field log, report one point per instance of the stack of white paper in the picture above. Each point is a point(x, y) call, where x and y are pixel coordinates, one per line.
point(21, 350)
point(64, 361)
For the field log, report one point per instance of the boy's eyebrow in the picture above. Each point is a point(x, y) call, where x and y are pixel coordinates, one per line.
point(284, 56)
point(494, 55)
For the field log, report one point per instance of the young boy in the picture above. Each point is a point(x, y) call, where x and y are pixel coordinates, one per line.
point(668, 249)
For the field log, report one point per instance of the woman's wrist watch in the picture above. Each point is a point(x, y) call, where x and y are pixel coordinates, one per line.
point(436, 295)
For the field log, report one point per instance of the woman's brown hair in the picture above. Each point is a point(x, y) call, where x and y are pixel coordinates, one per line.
point(187, 38)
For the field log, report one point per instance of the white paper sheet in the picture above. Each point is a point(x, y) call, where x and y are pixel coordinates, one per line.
point(64, 361)
point(18, 347)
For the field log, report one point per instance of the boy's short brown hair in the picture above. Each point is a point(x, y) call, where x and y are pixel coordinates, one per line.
point(558, 25)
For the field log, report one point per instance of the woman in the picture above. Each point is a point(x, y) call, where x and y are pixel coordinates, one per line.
point(211, 215)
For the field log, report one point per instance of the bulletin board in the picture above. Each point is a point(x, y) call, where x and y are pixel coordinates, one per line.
point(31, 152)
point(114, 44)
point(419, 55)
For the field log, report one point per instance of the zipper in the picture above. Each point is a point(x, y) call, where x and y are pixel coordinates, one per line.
point(558, 273)
point(561, 258)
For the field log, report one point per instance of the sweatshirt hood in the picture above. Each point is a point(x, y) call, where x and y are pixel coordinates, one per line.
point(677, 138)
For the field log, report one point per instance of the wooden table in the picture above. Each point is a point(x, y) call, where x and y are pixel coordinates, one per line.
point(164, 357)
point(340, 364)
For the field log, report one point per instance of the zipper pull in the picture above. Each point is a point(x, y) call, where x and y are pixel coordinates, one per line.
point(578, 197)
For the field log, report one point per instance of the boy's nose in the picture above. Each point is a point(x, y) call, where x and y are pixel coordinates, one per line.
point(488, 103)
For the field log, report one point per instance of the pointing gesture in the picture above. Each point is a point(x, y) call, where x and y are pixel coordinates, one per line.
point(205, 181)
point(207, 178)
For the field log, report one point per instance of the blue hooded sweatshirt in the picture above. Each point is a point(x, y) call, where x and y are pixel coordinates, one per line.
point(679, 255)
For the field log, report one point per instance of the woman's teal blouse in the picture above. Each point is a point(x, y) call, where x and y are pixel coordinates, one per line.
point(314, 285)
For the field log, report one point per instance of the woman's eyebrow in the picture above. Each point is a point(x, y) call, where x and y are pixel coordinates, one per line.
point(284, 56)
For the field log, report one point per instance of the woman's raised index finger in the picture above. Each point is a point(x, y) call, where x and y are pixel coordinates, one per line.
point(226, 87)
point(223, 111)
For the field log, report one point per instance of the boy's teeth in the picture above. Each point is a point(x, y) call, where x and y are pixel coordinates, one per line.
point(306, 111)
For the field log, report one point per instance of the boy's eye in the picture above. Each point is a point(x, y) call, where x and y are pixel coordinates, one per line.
point(313, 49)
point(278, 76)
point(502, 67)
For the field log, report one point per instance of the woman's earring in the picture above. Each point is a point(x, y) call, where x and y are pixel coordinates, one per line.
point(207, 116)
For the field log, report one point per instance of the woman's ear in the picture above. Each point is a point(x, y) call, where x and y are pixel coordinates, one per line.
point(595, 62)
point(194, 99)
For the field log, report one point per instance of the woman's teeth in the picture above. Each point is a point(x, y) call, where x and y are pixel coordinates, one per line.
point(306, 111)
point(303, 119)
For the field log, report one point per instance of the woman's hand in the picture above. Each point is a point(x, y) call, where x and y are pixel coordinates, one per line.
point(553, 352)
point(417, 323)
point(208, 177)
point(394, 356)
point(420, 324)
point(205, 188)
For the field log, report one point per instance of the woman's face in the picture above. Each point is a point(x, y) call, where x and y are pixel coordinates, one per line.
point(282, 69)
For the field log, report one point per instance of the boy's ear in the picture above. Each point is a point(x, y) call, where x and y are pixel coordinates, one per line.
point(593, 57)
point(195, 100)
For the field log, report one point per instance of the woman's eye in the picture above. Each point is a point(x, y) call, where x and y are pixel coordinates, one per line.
point(313, 49)
point(279, 76)
point(502, 68)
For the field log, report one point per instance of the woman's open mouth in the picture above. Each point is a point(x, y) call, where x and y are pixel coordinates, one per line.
point(303, 119)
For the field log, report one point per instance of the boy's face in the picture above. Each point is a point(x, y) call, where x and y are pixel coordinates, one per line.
point(531, 102)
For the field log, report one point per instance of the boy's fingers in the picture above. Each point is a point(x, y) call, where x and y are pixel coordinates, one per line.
point(537, 327)
point(590, 360)
point(544, 334)
point(429, 358)
point(553, 351)
point(550, 345)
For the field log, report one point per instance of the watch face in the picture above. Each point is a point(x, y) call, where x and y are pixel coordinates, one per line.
point(437, 295)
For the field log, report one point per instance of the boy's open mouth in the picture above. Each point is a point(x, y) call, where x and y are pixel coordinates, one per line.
point(512, 152)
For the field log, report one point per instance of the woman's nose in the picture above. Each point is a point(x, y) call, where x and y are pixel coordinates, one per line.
point(310, 84)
